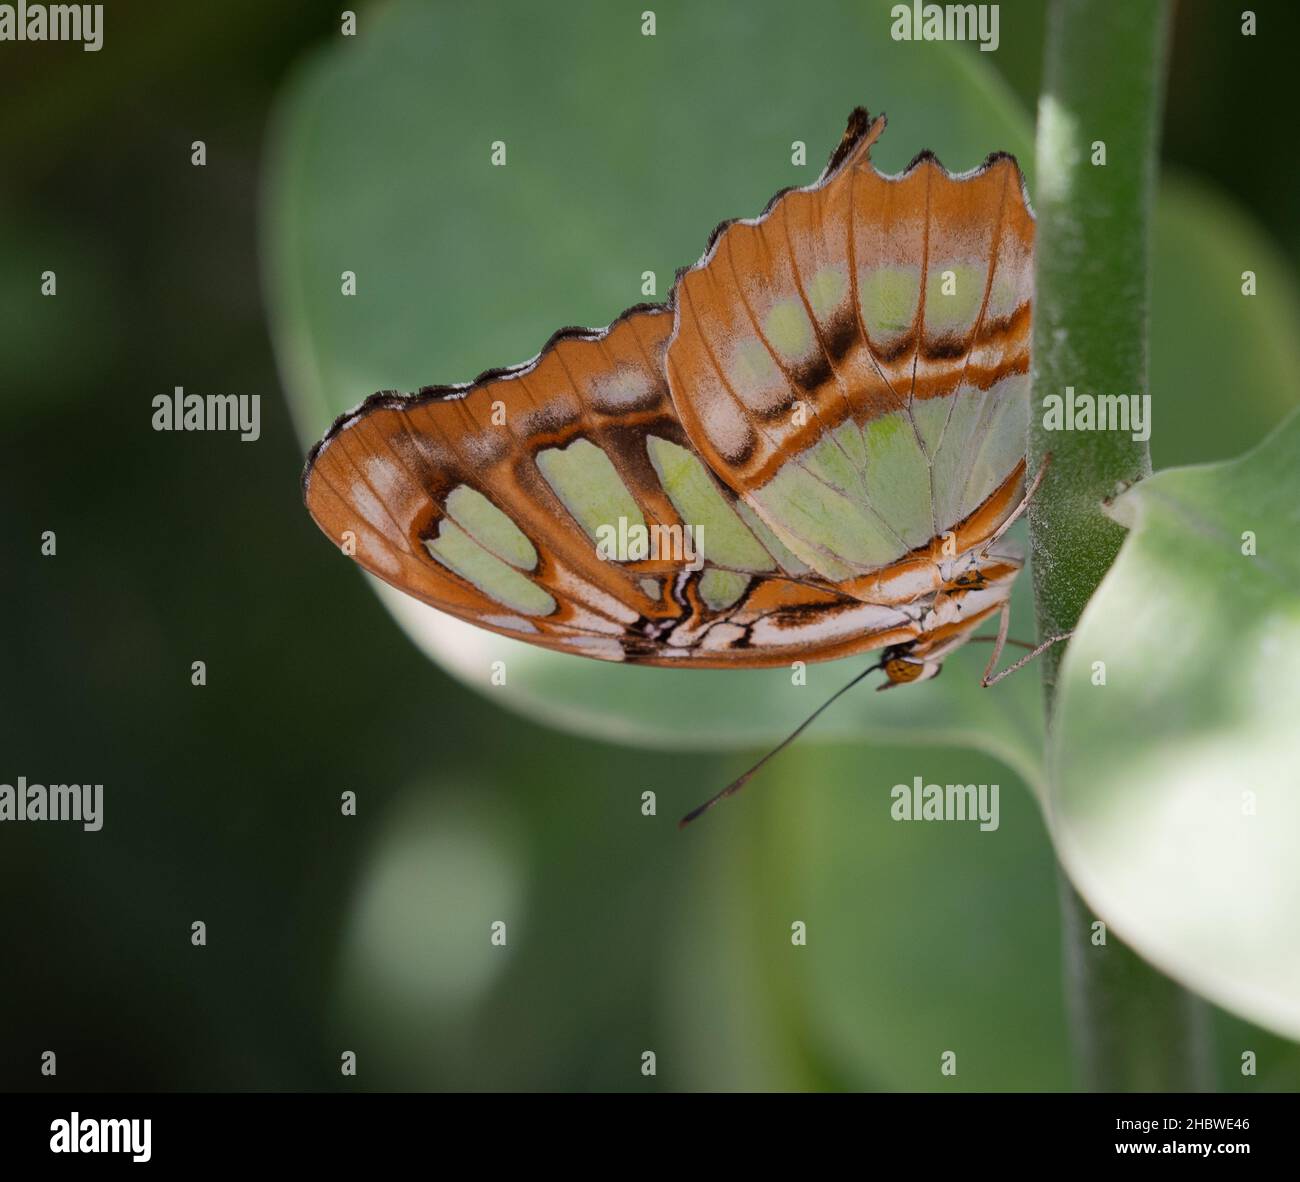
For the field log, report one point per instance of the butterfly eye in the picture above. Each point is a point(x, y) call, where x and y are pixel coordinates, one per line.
point(901, 669)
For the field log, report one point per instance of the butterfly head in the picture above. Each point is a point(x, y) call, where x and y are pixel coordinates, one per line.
point(902, 667)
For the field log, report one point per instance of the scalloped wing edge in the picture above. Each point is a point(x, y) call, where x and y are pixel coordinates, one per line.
point(860, 133)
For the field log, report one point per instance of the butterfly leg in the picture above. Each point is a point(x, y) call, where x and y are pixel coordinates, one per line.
point(991, 678)
point(1019, 511)
point(1004, 622)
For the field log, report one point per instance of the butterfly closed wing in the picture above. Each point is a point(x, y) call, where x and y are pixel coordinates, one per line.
point(808, 452)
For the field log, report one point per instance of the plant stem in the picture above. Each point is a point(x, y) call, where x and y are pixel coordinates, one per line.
point(1098, 133)
point(1102, 86)
point(1133, 1029)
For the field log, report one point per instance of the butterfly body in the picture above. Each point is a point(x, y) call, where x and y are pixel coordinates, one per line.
point(832, 404)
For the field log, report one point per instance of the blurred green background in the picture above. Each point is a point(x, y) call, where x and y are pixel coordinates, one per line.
point(370, 934)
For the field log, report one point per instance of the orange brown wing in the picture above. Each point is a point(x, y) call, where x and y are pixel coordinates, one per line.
point(488, 502)
point(831, 413)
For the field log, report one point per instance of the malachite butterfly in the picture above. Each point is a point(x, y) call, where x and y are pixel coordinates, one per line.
point(833, 400)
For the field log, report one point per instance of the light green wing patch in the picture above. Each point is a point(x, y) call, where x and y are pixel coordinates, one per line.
point(786, 559)
point(898, 477)
point(948, 428)
point(490, 527)
point(789, 330)
point(1001, 438)
point(826, 292)
point(839, 462)
point(726, 540)
point(752, 365)
point(589, 485)
point(815, 520)
point(953, 297)
point(931, 416)
point(1005, 296)
point(460, 553)
point(721, 588)
point(888, 296)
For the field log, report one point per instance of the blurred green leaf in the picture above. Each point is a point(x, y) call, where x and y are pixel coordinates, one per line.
point(704, 709)
point(1175, 790)
point(379, 164)
point(1223, 365)
point(929, 937)
point(921, 938)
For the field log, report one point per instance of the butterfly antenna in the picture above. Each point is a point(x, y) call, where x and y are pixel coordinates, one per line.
point(740, 781)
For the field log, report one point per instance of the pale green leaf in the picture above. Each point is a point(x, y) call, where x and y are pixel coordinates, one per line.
point(1175, 797)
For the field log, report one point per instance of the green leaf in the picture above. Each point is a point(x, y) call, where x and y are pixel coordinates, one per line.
point(1175, 793)
point(1223, 365)
point(920, 937)
point(380, 165)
